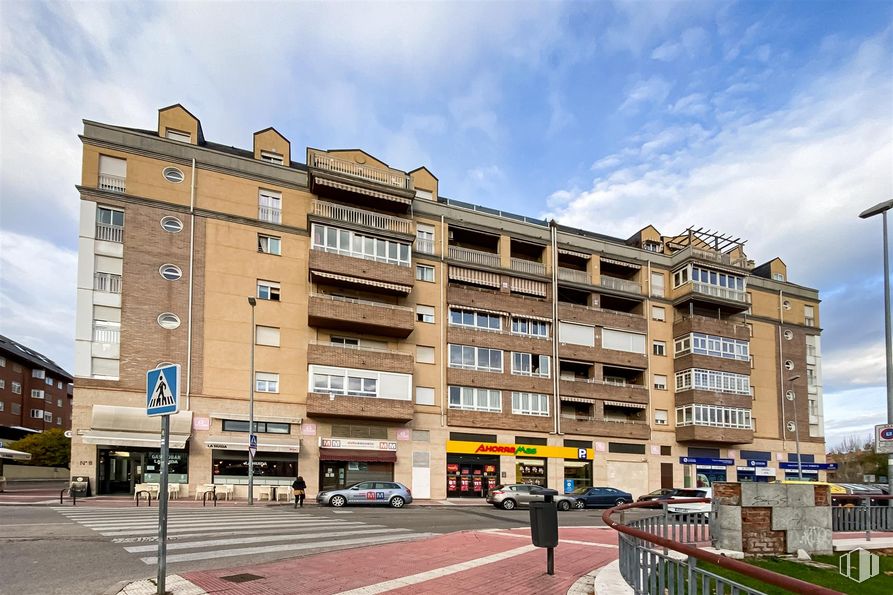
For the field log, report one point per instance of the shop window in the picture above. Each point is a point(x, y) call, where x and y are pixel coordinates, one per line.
point(229, 466)
point(530, 471)
point(666, 451)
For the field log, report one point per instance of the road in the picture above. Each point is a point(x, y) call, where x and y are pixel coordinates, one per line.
point(88, 549)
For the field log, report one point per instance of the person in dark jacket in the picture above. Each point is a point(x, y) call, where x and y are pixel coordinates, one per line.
point(299, 486)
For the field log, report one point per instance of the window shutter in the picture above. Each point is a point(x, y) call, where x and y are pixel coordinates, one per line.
point(576, 334)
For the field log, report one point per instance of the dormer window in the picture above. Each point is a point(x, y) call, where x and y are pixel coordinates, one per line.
point(272, 157)
point(178, 135)
point(653, 246)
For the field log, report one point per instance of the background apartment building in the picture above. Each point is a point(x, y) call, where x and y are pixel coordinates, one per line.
point(400, 335)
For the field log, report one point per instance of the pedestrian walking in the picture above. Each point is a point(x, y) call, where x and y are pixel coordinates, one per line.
point(299, 486)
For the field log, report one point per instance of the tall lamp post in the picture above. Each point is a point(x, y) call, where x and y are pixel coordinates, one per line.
point(791, 397)
point(252, 302)
point(881, 209)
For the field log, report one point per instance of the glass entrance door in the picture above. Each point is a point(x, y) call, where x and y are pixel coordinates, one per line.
point(334, 475)
point(117, 471)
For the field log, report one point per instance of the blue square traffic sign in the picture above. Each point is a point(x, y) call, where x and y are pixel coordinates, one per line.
point(163, 390)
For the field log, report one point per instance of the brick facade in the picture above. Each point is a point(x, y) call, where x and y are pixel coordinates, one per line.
point(500, 421)
point(608, 429)
point(703, 397)
point(363, 359)
point(603, 318)
point(341, 264)
point(711, 434)
point(350, 316)
point(710, 326)
point(501, 301)
point(363, 408)
point(757, 536)
point(600, 390)
point(504, 382)
point(17, 406)
point(498, 340)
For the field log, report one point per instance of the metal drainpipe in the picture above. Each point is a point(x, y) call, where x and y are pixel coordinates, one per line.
point(556, 387)
point(444, 317)
point(649, 353)
point(784, 426)
point(191, 286)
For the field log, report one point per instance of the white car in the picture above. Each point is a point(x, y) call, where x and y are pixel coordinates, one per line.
point(702, 507)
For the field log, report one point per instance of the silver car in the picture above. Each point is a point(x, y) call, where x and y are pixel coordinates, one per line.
point(395, 495)
point(513, 495)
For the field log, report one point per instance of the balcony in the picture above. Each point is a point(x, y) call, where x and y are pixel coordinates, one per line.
point(476, 257)
point(602, 317)
point(603, 389)
point(733, 301)
point(721, 327)
point(709, 362)
point(370, 408)
point(424, 246)
point(362, 217)
point(574, 276)
point(107, 282)
point(358, 357)
point(637, 430)
point(111, 183)
point(109, 233)
point(724, 293)
point(620, 284)
point(349, 314)
point(710, 256)
point(695, 433)
point(528, 266)
point(383, 176)
point(360, 272)
point(504, 420)
point(708, 397)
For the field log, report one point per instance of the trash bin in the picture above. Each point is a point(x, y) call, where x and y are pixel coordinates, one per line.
point(544, 519)
point(80, 486)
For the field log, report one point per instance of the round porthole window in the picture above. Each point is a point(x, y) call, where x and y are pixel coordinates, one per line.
point(788, 364)
point(786, 305)
point(172, 174)
point(789, 395)
point(168, 320)
point(171, 224)
point(163, 364)
point(171, 272)
point(788, 335)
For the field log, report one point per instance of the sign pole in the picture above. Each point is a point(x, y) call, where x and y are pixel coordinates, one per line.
point(162, 505)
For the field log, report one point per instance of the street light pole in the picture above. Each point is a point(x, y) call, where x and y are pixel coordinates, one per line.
point(252, 302)
point(881, 209)
point(791, 396)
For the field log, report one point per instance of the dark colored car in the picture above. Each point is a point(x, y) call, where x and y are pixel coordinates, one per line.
point(599, 497)
point(661, 494)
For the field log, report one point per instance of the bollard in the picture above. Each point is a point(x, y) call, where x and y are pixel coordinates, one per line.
point(148, 497)
point(213, 496)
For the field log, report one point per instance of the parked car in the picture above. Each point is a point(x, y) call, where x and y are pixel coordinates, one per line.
point(599, 496)
point(391, 493)
point(513, 495)
point(661, 494)
point(702, 507)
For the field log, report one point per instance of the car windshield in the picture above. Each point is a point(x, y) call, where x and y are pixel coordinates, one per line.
point(580, 490)
point(691, 493)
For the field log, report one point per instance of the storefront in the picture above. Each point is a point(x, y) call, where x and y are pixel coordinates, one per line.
point(275, 462)
point(530, 470)
point(810, 471)
point(704, 471)
point(755, 474)
point(577, 473)
point(471, 476)
point(346, 461)
point(121, 469)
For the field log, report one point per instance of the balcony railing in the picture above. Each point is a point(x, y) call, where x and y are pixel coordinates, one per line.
point(604, 382)
point(338, 298)
point(574, 276)
point(424, 246)
point(107, 282)
point(725, 293)
point(362, 217)
point(269, 214)
point(109, 233)
point(474, 256)
point(597, 309)
point(104, 334)
point(528, 266)
point(384, 176)
point(718, 257)
point(620, 284)
point(359, 347)
point(110, 182)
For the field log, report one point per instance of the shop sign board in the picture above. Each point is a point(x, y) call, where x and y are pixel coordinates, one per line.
point(706, 461)
point(810, 466)
point(765, 471)
point(755, 463)
point(519, 450)
point(883, 443)
point(357, 444)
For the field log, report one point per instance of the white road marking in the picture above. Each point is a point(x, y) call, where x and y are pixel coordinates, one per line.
point(216, 532)
point(178, 529)
point(33, 524)
point(573, 541)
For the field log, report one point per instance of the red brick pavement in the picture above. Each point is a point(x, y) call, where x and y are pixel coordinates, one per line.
point(523, 572)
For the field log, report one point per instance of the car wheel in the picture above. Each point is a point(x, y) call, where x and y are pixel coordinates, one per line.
point(508, 504)
point(397, 502)
point(619, 502)
point(579, 505)
point(564, 505)
point(338, 501)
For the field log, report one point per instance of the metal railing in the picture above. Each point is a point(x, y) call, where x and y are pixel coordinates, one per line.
point(597, 309)
point(104, 334)
point(648, 566)
point(359, 347)
point(107, 282)
point(857, 512)
point(725, 293)
point(528, 266)
point(574, 276)
point(338, 298)
point(362, 217)
point(110, 182)
point(474, 256)
point(269, 214)
point(379, 175)
point(620, 284)
point(424, 246)
point(109, 233)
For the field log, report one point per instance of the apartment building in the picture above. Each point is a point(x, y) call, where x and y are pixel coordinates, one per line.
point(401, 335)
point(34, 392)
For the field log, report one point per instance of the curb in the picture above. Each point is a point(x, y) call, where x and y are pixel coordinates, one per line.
point(174, 584)
point(609, 581)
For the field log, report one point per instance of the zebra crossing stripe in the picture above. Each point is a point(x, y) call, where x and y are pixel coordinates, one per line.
point(204, 533)
point(175, 530)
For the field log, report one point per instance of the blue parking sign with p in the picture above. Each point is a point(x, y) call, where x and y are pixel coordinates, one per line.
point(163, 390)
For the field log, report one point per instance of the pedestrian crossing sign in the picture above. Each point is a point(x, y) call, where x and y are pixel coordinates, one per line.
point(163, 390)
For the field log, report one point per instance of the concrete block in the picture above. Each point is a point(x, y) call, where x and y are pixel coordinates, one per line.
point(728, 540)
point(763, 494)
point(728, 517)
point(814, 540)
point(800, 495)
point(787, 518)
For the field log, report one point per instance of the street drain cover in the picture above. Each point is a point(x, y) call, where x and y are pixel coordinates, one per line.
point(241, 578)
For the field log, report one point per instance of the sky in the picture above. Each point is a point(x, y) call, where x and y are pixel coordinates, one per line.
point(769, 121)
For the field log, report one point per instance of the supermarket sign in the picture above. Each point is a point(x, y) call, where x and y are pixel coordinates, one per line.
point(519, 450)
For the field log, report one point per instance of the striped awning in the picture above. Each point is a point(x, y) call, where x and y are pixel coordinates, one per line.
point(476, 309)
point(473, 276)
point(361, 190)
point(370, 282)
point(577, 400)
point(620, 263)
point(531, 317)
point(528, 286)
point(625, 404)
point(573, 253)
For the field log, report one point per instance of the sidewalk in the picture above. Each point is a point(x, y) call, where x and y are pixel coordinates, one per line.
point(472, 562)
point(45, 497)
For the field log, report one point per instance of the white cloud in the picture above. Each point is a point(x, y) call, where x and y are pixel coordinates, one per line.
point(692, 42)
point(652, 90)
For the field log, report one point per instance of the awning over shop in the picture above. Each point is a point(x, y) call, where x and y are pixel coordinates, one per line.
point(130, 426)
point(363, 456)
point(136, 439)
point(370, 282)
point(263, 445)
point(360, 190)
point(15, 455)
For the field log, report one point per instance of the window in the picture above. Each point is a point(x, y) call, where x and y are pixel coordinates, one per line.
point(788, 335)
point(268, 290)
point(178, 135)
point(260, 427)
point(268, 244)
point(424, 354)
point(424, 314)
point(350, 243)
point(171, 272)
point(424, 395)
point(37, 394)
point(59, 384)
point(37, 414)
point(474, 319)
point(777, 276)
point(809, 315)
point(112, 173)
point(786, 304)
point(576, 334)
point(530, 364)
point(713, 346)
point(58, 421)
point(657, 284)
point(48, 416)
point(716, 416)
point(2, 405)
point(106, 331)
point(265, 382)
point(2, 362)
point(680, 277)
point(530, 404)
point(660, 382)
point(360, 383)
point(171, 224)
point(424, 273)
point(272, 157)
point(267, 335)
point(475, 399)
point(424, 242)
point(475, 358)
point(48, 381)
point(659, 348)
point(652, 246)
point(58, 402)
point(623, 341)
point(658, 313)
point(713, 380)
point(530, 327)
point(16, 408)
point(345, 341)
point(2, 383)
point(16, 388)
point(168, 320)
point(173, 175)
point(788, 364)
point(269, 203)
point(38, 373)
point(660, 417)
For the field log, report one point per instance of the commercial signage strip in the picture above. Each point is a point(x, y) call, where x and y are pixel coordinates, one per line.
point(519, 450)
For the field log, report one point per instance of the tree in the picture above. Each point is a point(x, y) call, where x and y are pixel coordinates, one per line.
point(855, 458)
point(48, 449)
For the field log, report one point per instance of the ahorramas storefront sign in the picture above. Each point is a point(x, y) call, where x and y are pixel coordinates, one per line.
point(518, 450)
